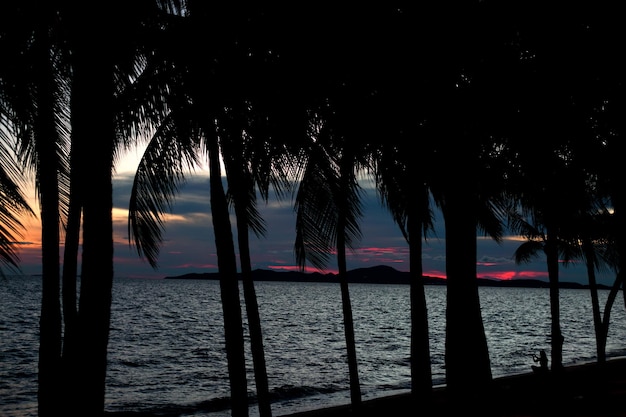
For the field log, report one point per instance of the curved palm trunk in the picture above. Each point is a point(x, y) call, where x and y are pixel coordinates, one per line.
point(70, 263)
point(254, 319)
point(468, 369)
point(71, 331)
point(50, 322)
point(552, 258)
point(610, 300)
point(348, 323)
point(595, 303)
point(229, 287)
point(346, 175)
point(616, 198)
point(421, 372)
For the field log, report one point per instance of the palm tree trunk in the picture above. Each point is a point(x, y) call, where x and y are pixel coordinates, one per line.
point(345, 177)
point(606, 318)
point(254, 320)
point(71, 331)
point(229, 287)
point(92, 95)
point(70, 262)
point(348, 323)
point(468, 369)
point(552, 258)
point(50, 322)
point(595, 303)
point(421, 372)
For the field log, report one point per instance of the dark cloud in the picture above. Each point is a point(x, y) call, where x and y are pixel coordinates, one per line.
point(188, 241)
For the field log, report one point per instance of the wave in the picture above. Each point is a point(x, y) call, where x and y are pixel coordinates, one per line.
point(278, 395)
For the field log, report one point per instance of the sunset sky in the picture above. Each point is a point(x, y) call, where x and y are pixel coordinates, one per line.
point(189, 242)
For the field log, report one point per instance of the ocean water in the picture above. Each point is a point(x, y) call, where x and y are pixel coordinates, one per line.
point(166, 349)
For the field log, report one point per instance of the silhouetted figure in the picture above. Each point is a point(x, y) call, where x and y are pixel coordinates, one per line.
point(542, 359)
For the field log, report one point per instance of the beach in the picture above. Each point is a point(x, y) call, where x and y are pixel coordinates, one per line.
point(587, 390)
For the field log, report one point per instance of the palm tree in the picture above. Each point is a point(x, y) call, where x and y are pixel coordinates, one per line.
point(254, 120)
point(472, 100)
point(35, 95)
point(465, 83)
point(328, 208)
point(99, 63)
point(565, 87)
point(156, 183)
point(249, 169)
point(546, 197)
point(594, 238)
point(401, 155)
point(15, 127)
point(605, 100)
point(406, 194)
point(541, 241)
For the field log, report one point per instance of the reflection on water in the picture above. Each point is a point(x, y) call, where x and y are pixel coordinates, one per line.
point(167, 346)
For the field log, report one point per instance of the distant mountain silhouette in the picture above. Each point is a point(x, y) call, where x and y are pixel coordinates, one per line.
point(381, 274)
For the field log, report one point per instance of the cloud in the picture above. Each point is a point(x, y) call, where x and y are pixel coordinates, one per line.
point(189, 242)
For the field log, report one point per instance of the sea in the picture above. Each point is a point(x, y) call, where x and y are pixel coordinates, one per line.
point(166, 349)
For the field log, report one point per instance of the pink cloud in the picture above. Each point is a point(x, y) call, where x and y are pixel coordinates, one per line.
point(509, 275)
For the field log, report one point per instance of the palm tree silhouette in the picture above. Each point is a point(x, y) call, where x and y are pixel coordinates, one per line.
point(99, 72)
point(34, 96)
point(403, 188)
point(328, 209)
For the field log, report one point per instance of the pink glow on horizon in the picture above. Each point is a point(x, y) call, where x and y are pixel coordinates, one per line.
point(386, 249)
point(501, 275)
point(509, 275)
point(435, 274)
point(195, 266)
point(307, 269)
point(380, 255)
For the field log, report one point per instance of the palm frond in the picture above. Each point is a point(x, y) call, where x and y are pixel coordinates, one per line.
point(13, 207)
point(527, 251)
point(490, 220)
point(352, 209)
point(316, 216)
point(519, 224)
point(172, 151)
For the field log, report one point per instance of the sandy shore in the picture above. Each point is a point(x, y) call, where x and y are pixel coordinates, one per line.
point(589, 390)
point(586, 390)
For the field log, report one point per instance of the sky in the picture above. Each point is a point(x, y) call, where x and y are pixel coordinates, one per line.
point(188, 245)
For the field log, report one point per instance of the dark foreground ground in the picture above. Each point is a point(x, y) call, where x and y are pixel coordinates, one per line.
point(588, 390)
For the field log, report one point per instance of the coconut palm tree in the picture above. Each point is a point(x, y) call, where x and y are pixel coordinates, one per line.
point(466, 81)
point(406, 195)
point(100, 66)
point(594, 245)
point(17, 111)
point(553, 120)
point(174, 149)
point(605, 98)
point(542, 242)
point(216, 121)
point(328, 209)
point(35, 95)
point(476, 102)
point(250, 170)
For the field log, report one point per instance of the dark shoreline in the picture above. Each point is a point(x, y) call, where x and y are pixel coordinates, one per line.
point(589, 389)
point(582, 390)
point(376, 275)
